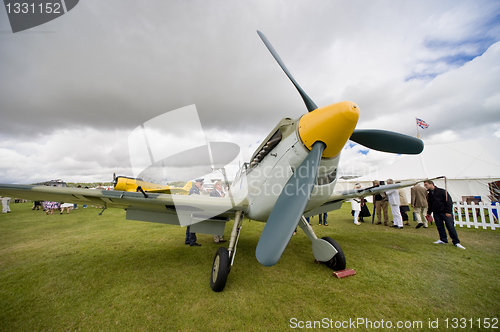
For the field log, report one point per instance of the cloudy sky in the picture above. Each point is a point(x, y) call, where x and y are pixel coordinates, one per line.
point(72, 90)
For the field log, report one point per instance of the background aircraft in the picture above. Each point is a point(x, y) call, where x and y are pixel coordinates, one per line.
point(290, 176)
point(125, 183)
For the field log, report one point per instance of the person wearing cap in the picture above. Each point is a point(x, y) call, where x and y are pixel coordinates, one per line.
point(191, 237)
point(196, 189)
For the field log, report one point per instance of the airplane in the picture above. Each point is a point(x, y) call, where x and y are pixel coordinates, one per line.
point(125, 183)
point(290, 176)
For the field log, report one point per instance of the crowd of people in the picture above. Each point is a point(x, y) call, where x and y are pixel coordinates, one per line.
point(429, 203)
point(48, 206)
point(196, 190)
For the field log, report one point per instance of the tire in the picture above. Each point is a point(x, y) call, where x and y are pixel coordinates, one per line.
point(220, 270)
point(337, 262)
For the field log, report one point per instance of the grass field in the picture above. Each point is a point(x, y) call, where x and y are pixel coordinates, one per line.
point(87, 272)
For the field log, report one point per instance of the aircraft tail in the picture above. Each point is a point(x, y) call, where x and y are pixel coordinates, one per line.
point(188, 186)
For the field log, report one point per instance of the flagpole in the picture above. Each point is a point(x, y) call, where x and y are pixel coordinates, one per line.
point(416, 124)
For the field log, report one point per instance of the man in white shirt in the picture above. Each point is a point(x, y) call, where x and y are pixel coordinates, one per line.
point(393, 196)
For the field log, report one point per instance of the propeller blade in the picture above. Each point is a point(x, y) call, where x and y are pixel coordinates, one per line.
point(289, 208)
point(311, 106)
point(387, 141)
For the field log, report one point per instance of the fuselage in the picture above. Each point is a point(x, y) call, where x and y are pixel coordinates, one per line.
point(262, 180)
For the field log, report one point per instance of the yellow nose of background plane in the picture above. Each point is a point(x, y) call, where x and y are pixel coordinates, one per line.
point(332, 125)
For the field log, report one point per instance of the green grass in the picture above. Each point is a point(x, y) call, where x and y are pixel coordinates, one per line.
point(87, 272)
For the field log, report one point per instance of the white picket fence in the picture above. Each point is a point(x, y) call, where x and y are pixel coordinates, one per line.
point(479, 217)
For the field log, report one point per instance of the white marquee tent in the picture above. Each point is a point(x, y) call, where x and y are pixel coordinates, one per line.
point(468, 167)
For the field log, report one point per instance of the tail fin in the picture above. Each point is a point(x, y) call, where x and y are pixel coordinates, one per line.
point(188, 186)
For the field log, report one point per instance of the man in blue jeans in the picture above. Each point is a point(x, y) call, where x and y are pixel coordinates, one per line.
point(441, 205)
point(323, 220)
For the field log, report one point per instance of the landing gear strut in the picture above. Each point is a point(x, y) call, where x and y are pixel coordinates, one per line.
point(224, 258)
point(325, 250)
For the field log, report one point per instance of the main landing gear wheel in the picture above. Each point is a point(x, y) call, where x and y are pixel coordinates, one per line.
point(220, 270)
point(337, 262)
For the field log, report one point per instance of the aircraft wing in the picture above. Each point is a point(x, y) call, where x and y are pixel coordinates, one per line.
point(204, 214)
point(335, 201)
point(363, 192)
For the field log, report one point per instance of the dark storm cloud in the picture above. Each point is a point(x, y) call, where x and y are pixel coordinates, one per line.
point(119, 64)
point(104, 68)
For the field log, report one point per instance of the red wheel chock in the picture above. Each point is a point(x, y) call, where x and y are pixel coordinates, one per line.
point(344, 273)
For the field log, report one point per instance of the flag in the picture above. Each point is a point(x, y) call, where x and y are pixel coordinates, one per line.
point(422, 124)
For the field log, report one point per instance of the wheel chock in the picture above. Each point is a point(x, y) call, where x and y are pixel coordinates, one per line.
point(344, 273)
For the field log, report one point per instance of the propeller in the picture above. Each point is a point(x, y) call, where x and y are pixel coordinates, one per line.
point(311, 106)
point(289, 208)
point(324, 132)
point(387, 141)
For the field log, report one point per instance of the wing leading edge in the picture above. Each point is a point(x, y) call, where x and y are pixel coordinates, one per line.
point(162, 208)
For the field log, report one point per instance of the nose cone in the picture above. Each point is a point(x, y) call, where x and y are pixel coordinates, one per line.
point(332, 125)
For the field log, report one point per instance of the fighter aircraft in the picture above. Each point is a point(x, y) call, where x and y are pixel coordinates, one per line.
point(291, 175)
point(125, 183)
